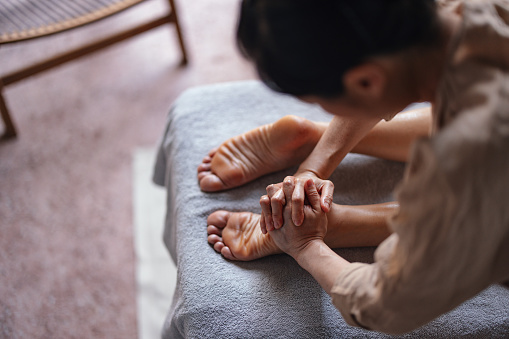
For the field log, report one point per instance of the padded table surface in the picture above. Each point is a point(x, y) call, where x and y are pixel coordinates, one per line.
point(271, 297)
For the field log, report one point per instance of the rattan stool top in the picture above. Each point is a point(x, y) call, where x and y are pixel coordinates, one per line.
point(27, 19)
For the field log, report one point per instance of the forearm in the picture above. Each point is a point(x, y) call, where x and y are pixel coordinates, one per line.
point(358, 226)
point(392, 140)
point(342, 134)
point(321, 262)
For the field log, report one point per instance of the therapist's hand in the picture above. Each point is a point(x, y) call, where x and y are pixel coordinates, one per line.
point(292, 239)
point(274, 202)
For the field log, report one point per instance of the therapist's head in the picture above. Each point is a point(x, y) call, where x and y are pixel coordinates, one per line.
point(318, 48)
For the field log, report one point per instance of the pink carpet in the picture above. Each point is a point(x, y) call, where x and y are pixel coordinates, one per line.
point(67, 266)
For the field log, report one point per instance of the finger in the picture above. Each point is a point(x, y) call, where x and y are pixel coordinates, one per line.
point(272, 189)
point(276, 203)
point(298, 203)
point(268, 224)
point(288, 187)
point(327, 193)
point(263, 225)
point(312, 194)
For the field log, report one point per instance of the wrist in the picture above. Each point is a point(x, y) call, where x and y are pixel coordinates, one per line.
point(321, 262)
point(305, 172)
point(310, 249)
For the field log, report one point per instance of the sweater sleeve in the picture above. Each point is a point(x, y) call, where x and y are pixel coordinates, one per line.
point(436, 258)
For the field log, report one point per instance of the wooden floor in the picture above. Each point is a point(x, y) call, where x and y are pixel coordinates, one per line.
point(66, 223)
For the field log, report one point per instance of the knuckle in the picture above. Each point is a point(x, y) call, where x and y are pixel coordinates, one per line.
point(298, 200)
point(278, 199)
point(287, 184)
point(288, 179)
point(277, 205)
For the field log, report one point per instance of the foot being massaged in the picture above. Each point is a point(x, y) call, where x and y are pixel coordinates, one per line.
point(446, 236)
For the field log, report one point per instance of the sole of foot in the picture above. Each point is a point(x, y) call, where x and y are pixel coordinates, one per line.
point(237, 236)
point(263, 150)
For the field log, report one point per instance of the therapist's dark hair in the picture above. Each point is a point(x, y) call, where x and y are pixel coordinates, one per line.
point(304, 47)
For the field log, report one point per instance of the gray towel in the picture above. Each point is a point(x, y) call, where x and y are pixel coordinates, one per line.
point(271, 297)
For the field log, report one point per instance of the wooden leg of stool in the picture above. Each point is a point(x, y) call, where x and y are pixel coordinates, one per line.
point(10, 130)
point(179, 32)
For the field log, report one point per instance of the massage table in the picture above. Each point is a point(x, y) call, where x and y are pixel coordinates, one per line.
point(270, 297)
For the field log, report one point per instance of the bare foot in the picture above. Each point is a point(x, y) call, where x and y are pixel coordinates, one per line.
point(237, 236)
point(263, 150)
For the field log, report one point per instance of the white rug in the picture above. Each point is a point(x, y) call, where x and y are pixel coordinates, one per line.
point(155, 272)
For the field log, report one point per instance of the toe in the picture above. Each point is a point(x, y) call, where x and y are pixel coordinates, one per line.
point(227, 253)
point(207, 159)
point(203, 174)
point(213, 152)
point(204, 167)
point(219, 219)
point(213, 239)
point(218, 246)
point(211, 229)
point(211, 183)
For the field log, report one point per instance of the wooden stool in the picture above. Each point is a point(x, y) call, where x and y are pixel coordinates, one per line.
point(29, 19)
